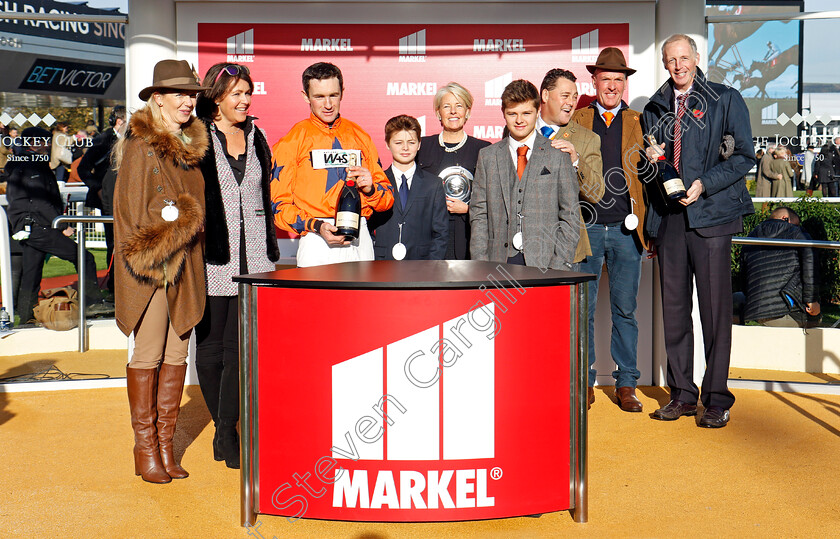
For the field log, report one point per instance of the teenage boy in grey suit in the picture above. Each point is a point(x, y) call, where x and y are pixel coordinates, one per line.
point(524, 208)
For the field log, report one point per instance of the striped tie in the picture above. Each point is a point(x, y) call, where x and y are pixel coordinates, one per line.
point(678, 130)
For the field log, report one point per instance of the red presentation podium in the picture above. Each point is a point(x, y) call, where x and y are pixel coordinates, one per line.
point(413, 391)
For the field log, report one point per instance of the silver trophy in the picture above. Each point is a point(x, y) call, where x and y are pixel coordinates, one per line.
point(457, 183)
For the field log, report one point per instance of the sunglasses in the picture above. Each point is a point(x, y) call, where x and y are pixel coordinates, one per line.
point(233, 70)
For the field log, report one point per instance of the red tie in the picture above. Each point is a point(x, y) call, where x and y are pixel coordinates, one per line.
point(521, 160)
point(608, 117)
point(678, 130)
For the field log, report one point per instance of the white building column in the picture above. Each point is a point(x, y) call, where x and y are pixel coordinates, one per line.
point(681, 17)
point(150, 37)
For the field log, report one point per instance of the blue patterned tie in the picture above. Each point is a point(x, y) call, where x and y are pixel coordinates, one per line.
point(546, 131)
point(404, 191)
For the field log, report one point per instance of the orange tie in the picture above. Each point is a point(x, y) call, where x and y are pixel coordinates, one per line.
point(608, 117)
point(521, 160)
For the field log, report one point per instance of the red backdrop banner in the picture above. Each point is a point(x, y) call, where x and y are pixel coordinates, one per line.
point(392, 69)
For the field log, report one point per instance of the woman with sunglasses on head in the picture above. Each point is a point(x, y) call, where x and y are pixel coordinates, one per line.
point(240, 238)
point(159, 265)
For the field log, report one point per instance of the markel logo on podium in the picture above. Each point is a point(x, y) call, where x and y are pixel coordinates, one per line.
point(433, 397)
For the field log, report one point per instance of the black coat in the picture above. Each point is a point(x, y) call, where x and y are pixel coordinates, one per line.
point(713, 110)
point(32, 192)
point(769, 270)
point(827, 164)
point(434, 159)
point(95, 165)
point(217, 246)
point(425, 232)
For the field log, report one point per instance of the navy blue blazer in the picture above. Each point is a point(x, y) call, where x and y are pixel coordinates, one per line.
point(714, 110)
point(425, 230)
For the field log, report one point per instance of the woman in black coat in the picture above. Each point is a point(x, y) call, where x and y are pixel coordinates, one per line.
point(240, 239)
point(452, 147)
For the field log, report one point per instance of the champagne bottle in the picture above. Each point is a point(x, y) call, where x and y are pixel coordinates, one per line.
point(669, 177)
point(348, 211)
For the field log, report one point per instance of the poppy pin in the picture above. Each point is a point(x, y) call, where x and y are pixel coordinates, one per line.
point(697, 113)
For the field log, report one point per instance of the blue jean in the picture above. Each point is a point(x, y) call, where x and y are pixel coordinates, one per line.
point(623, 256)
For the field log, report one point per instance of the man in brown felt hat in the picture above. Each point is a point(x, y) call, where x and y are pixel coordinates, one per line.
point(615, 225)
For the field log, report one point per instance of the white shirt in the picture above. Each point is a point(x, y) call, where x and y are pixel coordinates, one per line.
point(398, 174)
point(555, 129)
point(677, 94)
point(542, 123)
point(513, 145)
point(601, 110)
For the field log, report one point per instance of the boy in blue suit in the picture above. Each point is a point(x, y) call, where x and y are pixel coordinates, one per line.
point(417, 225)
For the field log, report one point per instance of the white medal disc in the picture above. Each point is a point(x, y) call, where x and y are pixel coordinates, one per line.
point(169, 213)
point(631, 221)
point(398, 251)
point(517, 241)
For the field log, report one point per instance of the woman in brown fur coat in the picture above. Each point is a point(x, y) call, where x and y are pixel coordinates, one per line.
point(159, 267)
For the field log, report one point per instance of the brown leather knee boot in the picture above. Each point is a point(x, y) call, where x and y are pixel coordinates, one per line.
point(170, 388)
point(142, 394)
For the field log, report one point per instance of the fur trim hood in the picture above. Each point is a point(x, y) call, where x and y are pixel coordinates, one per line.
point(168, 146)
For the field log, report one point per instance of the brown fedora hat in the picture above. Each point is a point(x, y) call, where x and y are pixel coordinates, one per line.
point(172, 75)
point(611, 59)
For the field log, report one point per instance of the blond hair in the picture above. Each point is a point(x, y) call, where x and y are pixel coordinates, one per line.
point(462, 95)
point(157, 120)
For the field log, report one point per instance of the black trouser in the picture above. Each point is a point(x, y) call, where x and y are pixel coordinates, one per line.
point(41, 242)
point(830, 189)
point(109, 253)
point(684, 254)
point(16, 252)
point(814, 184)
point(217, 357)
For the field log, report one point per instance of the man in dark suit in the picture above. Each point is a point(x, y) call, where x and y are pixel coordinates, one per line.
point(524, 208)
point(689, 116)
point(827, 169)
point(96, 171)
point(417, 226)
point(612, 242)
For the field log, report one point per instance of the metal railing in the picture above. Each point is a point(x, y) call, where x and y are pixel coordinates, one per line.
point(819, 244)
point(816, 244)
point(80, 265)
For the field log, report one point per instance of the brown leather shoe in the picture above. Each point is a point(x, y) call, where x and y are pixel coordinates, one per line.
point(142, 386)
point(170, 388)
point(674, 410)
point(591, 397)
point(627, 399)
